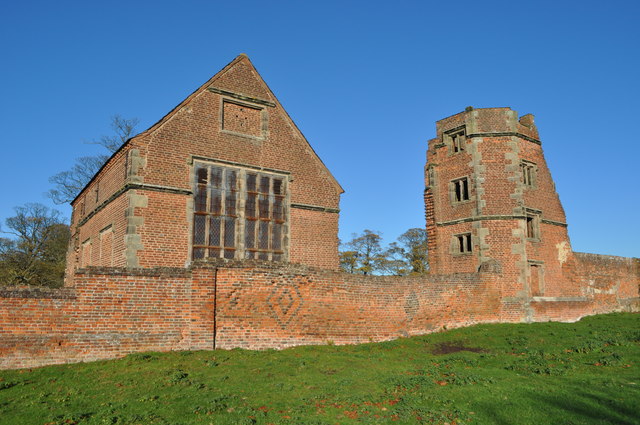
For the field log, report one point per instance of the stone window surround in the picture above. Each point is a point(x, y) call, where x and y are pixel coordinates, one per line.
point(85, 251)
point(458, 239)
point(532, 223)
point(452, 191)
point(539, 265)
point(103, 233)
point(530, 180)
point(247, 104)
point(194, 161)
point(451, 139)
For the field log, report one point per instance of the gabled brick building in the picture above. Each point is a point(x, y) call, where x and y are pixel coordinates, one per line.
point(225, 174)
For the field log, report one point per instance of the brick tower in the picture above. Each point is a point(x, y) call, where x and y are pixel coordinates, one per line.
point(491, 205)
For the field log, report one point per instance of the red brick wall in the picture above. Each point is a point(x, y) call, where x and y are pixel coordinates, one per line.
point(111, 312)
point(277, 308)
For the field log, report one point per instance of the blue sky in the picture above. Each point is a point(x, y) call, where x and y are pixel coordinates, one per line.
point(364, 81)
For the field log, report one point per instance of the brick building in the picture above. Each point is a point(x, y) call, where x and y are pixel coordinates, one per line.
point(491, 201)
point(225, 174)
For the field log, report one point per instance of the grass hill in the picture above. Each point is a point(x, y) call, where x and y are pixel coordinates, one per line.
point(544, 373)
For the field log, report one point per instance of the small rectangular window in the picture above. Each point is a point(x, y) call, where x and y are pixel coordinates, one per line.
point(528, 171)
point(532, 225)
point(462, 243)
point(460, 189)
point(456, 139)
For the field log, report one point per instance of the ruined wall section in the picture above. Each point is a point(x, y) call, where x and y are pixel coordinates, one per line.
point(513, 212)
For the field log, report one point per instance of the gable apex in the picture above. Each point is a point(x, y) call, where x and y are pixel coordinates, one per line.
point(238, 77)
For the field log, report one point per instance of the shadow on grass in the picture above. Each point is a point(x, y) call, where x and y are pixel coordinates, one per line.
point(575, 404)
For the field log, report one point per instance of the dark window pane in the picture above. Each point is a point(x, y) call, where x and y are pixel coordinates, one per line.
point(214, 231)
point(250, 206)
point(277, 236)
point(199, 229)
point(263, 256)
point(216, 177)
point(277, 187)
point(250, 234)
point(229, 253)
point(263, 204)
point(230, 203)
point(249, 255)
point(216, 202)
point(201, 198)
point(229, 232)
point(276, 257)
point(278, 213)
point(231, 183)
point(198, 253)
point(201, 175)
point(263, 238)
point(251, 182)
point(214, 252)
point(264, 184)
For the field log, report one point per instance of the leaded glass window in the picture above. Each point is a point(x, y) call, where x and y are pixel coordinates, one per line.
point(238, 213)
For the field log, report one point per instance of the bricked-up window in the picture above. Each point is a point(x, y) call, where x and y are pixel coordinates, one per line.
point(85, 254)
point(528, 170)
point(242, 119)
point(462, 243)
point(536, 279)
point(238, 213)
point(460, 190)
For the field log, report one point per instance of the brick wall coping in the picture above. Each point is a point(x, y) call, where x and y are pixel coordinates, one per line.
point(601, 257)
point(37, 292)
point(123, 271)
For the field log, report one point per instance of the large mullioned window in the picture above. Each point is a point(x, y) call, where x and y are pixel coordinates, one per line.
point(238, 213)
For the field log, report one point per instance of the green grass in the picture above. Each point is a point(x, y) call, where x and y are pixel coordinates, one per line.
point(543, 373)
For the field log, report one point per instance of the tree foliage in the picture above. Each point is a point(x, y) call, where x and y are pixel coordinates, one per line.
point(364, 254)
point(67, 184)
point(35, 250)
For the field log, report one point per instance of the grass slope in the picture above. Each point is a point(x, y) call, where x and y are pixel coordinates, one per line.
point(543, 373)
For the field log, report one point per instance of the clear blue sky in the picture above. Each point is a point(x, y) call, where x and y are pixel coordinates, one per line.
point(364, 81)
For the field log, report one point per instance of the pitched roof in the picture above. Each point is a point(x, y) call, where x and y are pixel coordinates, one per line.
point(250, 89)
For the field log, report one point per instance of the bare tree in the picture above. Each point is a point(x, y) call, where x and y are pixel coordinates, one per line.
point(34, 254)
point(67, 184)
point(363, 254)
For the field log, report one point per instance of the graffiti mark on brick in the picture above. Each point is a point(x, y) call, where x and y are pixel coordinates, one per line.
point(284, 303)
point(411, 305)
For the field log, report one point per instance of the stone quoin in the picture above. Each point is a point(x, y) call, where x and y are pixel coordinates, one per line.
point(217, 228)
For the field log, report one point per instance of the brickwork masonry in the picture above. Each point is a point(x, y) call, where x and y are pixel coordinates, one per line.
point(110, 312)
